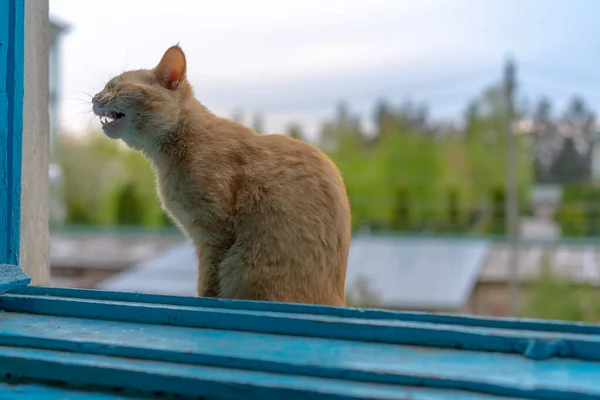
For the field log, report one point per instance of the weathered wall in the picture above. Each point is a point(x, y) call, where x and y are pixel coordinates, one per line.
point(34, 259)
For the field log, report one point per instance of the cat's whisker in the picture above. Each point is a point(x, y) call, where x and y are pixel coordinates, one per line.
point(75, 115)
point(82, 103)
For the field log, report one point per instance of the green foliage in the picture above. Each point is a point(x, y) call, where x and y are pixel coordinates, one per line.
point(403, 177)
point(107, 184)
point(106, 212)
point(593, 212)
point(90, 172)
point(407, 178)
point(419, 169)
point(401, 220)
point(572, 213)
point(295, 131)
point(556, 298)
point(455, 221)
point(497, 224)
point(130, 206)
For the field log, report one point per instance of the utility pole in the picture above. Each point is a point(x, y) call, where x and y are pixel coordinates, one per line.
point(512, 189)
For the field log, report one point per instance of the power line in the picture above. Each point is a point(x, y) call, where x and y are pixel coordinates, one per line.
point(561, 71)
point(448, 85)
point(545, 85)
point(448, 88)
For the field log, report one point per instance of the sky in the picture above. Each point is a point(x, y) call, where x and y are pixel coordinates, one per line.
point(293, 61)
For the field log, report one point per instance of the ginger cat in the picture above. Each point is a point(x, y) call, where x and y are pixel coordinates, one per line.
point(269, 215)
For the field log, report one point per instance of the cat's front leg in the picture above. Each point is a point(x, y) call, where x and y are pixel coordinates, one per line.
point(208, 274)
point(211, 251)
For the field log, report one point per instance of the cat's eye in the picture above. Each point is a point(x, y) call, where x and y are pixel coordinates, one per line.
point(113, 83)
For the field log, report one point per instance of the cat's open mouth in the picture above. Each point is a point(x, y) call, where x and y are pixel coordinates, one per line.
point(110, 118)
point(112, 122)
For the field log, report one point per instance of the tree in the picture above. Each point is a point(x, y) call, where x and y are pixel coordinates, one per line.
point(570, 166)
point(580, 125)
point(497, 224)
point(414, 162)
point(592, 204)
point(258, 124)
point(98, 174)
point(295, 131)
point(343, 126)
point(543, 112)
point(471, 115)
point(580, 118)
point(486, 145)
point(562, 145)
point(455, 223)
point(130, 206)
point(414, 116)
point(571, 212)
point(91, 169)
point(401, 220)
point(547, 140)
point(237, 116)
point(384, 118)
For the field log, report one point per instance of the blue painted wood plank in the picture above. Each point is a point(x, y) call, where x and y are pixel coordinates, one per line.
point(132, 376)
point(12, 39)
point(345, 346)
point(533, 344)
point(491, 373)
point(13, 391)
point(344, 312)
point(12, 277)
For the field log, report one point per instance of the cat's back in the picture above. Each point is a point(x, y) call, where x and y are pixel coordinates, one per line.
point(292, 158)
point(293, 219)
point(291, 167)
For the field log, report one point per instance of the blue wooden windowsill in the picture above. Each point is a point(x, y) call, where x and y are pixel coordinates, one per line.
point(71, 343)
point(12, 277)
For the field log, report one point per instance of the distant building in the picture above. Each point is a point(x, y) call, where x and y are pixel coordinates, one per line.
point(57, 207)
point(460, 275)
point(425, 274)
point(57, 30)
point(576, 263)
point(84, 257)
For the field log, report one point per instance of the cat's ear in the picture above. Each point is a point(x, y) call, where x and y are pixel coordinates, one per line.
point(170, 71)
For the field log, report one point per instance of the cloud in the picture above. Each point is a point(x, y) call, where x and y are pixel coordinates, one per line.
point(276, 55)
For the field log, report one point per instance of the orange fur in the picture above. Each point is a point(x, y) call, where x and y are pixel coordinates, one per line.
point(268, 214)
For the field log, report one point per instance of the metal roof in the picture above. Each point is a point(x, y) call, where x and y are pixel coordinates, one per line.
point(576, 263)
point(417, 273)
point(107, 250)
point(173, 272)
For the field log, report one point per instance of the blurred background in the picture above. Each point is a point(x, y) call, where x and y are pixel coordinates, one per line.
point(466, 131)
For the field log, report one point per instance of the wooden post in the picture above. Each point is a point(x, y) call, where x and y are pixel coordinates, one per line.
point(34, 259)
point(512, 189)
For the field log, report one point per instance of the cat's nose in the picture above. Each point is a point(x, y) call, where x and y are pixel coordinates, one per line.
point(96, 98)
